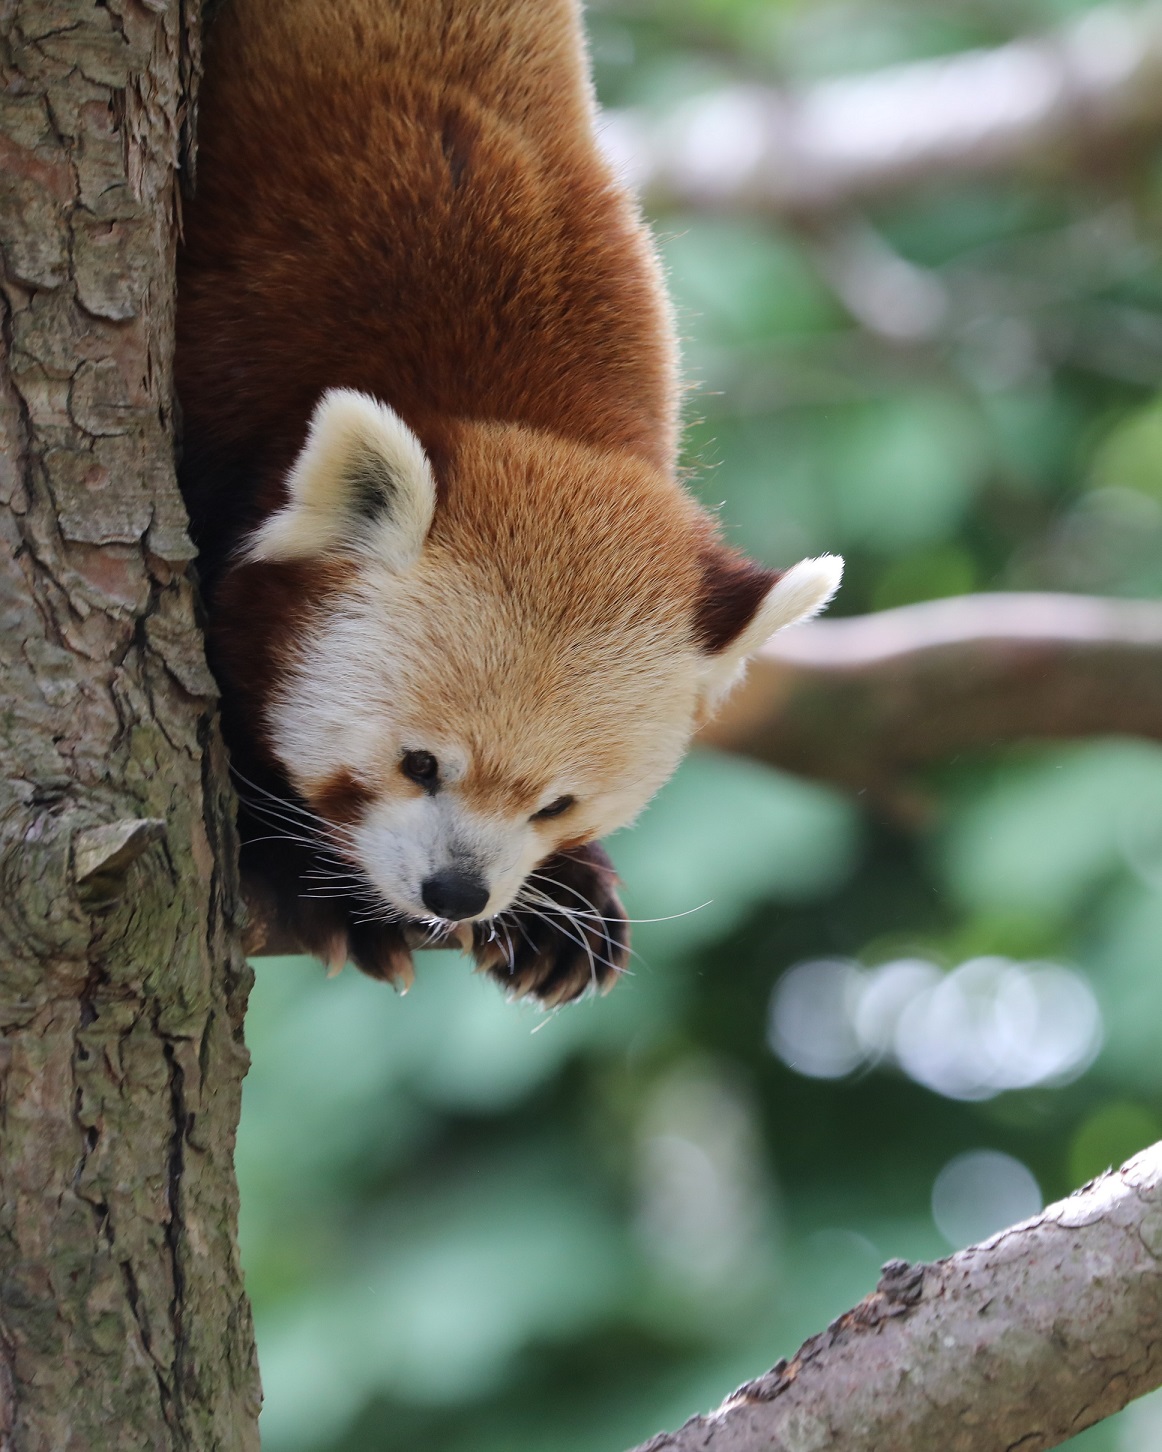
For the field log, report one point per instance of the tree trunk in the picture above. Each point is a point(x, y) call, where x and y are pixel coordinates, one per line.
point(123, 1321)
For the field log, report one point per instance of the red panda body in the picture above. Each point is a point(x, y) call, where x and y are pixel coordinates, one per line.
point(463, 614)
point(407, 199)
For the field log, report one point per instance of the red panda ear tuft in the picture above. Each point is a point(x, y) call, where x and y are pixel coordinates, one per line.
point(733, 588)
point(361, 484)
point(742, 605)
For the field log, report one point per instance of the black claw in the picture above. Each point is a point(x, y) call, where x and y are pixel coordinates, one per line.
point(556, 958)
point(381, 951)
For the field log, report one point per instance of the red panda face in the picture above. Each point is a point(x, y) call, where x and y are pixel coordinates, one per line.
point(509, 670)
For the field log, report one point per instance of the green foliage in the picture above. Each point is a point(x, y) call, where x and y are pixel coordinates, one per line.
point(471, 1228)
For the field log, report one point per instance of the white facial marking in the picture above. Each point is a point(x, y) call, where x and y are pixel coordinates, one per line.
point(404, 842)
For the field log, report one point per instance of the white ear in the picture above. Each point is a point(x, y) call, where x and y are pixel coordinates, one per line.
point(362, 482)
point(800, 592)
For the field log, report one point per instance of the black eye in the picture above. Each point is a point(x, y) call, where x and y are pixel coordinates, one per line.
point(554, 809)
point(422, 768)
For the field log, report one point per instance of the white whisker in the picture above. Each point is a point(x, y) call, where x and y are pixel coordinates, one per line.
point(669, 918)
point(581, 942)
point(575, 916)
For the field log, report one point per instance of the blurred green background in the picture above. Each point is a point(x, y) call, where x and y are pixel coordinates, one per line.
point(468, 1227)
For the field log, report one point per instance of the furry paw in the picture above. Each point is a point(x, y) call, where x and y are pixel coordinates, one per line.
point(566, 933)
point(381, 951)
point(338, 934)
point(293, 916)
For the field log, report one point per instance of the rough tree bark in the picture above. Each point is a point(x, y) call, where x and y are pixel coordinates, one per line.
point(123, 1321)
point(1019, 1342)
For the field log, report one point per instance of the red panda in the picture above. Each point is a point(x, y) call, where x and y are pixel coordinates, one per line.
point(464, 616)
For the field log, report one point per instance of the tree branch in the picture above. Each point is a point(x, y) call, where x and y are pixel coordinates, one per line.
point(1021, 1341)
point(864, 702)
point(1033, 105)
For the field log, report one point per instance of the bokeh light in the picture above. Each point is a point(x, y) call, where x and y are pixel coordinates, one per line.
point(980, 1192)
point(988, 1025)
point(703, 1207)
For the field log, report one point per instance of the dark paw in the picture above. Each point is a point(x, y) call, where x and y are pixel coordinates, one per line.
point(294, 909)
point(566, 933)
point(381, 951)
point(338, 932)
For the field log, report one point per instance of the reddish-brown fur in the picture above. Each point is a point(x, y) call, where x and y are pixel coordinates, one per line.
point(343, 797)
point(405, 197)
point(408, 200)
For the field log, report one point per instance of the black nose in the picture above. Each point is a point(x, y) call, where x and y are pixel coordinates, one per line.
point(454, 894)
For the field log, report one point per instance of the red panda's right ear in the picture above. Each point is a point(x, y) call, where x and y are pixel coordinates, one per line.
point(742, 605)
point(362, 484)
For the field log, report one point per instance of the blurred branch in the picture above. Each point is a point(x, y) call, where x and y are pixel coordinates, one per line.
point(1023, 1341)
point(864, 702)
point(1038, 104)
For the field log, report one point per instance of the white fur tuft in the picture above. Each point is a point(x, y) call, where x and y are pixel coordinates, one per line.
point(349, 429)
point(798, 594)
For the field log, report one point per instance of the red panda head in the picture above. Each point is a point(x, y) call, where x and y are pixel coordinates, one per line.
point(505, 665)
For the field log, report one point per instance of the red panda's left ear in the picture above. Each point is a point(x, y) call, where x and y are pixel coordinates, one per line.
point(361, 484)
point(742, 605)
